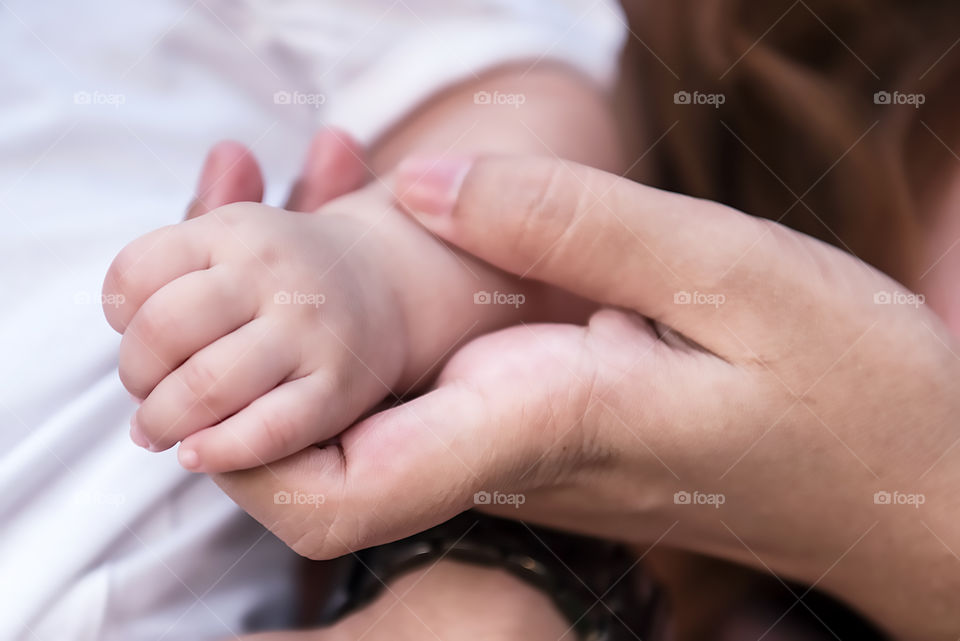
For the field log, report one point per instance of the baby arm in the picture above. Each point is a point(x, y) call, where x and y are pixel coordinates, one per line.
point(251, 333)
point(562, 114)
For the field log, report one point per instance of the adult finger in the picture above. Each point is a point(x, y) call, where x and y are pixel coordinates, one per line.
point(230, 174)
point(697, 266)
point(334, 167)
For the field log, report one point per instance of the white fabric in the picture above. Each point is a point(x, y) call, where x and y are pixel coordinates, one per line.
point(106, 111)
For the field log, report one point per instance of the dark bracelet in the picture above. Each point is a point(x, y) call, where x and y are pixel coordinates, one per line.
point(597, 585)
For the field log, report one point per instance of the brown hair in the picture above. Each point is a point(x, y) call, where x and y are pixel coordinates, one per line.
point(802, 135)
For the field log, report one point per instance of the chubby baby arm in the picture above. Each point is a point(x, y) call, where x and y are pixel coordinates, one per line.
point(550, 110)
point(251, 333)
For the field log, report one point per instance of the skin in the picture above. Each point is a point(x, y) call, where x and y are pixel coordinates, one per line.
point(651, 397)
point(251, 332)
point(426, 602)
point(703, 605)
point(722, 401)
point(559, 105)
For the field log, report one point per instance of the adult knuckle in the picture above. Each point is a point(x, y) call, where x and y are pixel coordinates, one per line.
point(548, 207)
point(551, 234)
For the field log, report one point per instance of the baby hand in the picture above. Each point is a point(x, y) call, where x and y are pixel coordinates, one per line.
point(251, 333)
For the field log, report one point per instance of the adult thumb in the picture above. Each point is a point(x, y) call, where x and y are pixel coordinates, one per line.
point(601, 236)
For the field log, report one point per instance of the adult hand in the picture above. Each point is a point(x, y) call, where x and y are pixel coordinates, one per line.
point(334, 166)
point(746, 394)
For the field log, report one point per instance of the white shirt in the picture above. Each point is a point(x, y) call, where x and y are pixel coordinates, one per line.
point(106, 112)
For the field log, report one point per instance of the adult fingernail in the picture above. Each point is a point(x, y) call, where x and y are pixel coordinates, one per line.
point(189, 459)
point(431, 184)
point(136, 434)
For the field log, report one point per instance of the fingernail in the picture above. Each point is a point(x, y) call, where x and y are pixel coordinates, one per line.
point(189, 459)
point(431, 184)
point(136, 434)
